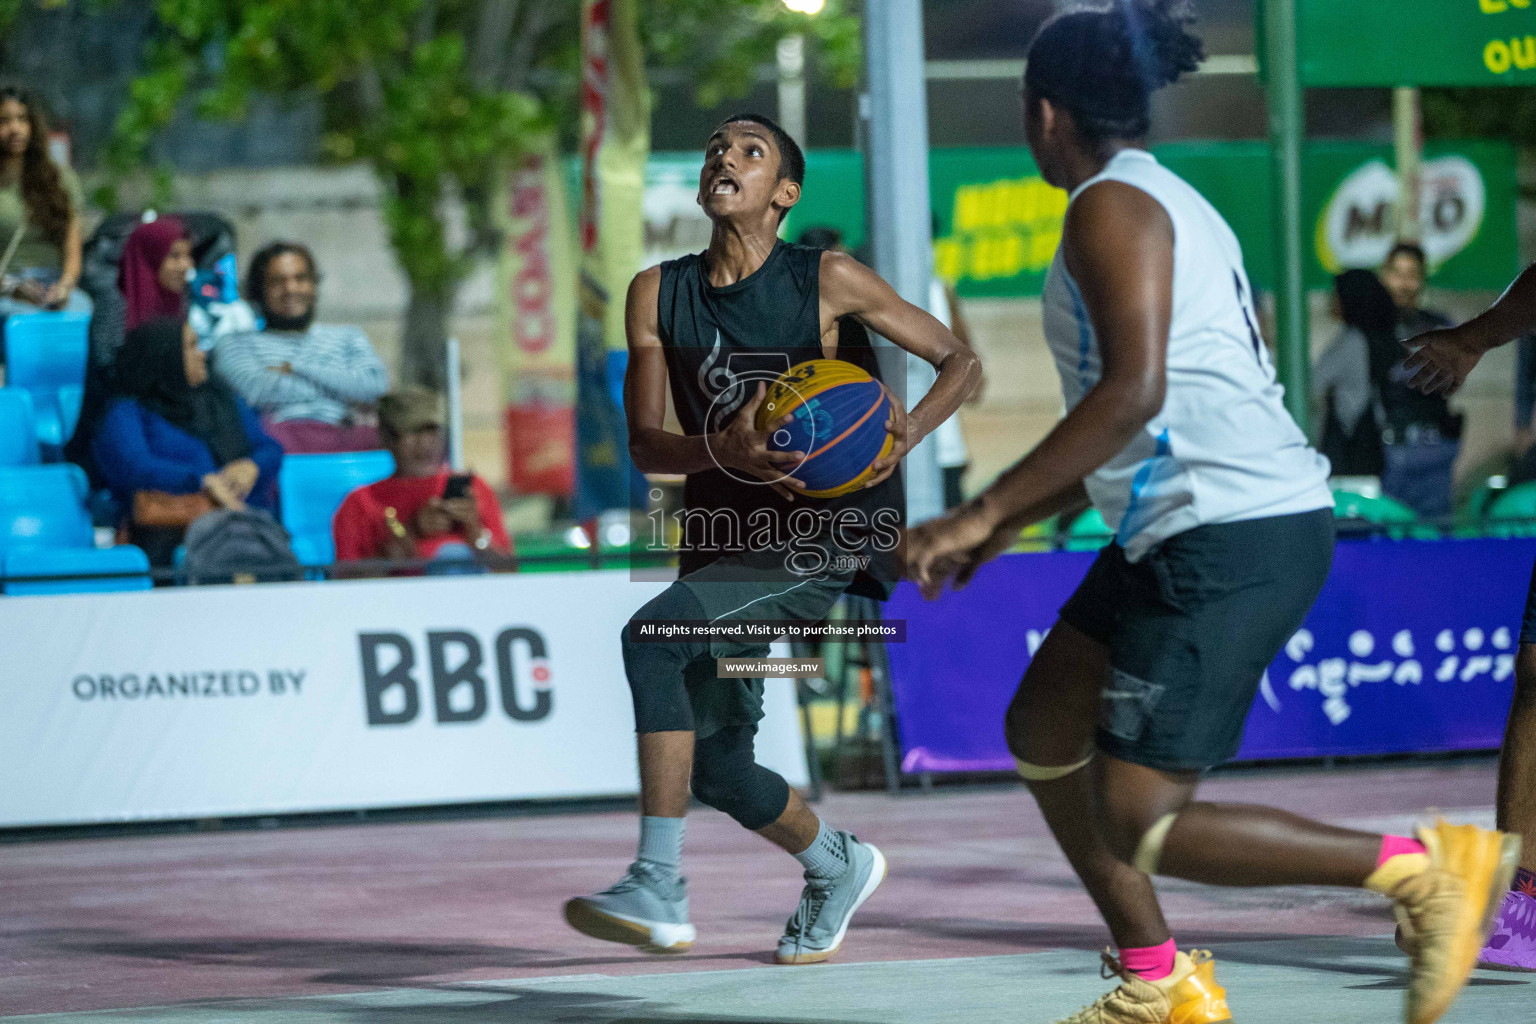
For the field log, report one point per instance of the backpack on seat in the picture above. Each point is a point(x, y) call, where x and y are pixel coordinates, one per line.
point(239, 546)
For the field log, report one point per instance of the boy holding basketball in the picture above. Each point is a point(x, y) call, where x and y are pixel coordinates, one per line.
point(719, 327)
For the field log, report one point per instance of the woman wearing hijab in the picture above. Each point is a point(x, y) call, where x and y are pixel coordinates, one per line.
point(152, 275)
point(175, 443)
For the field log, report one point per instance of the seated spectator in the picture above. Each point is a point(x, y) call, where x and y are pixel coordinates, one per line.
point(153, 273)
point(313, 383)
point(139, 278)
point(424, 511)
point(40, 207)
point(175, 444)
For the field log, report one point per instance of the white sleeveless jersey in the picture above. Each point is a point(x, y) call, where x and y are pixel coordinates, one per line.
point(1223, 449)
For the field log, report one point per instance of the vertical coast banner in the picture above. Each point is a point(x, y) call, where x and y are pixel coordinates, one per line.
point(536, 330)
point(615, 140)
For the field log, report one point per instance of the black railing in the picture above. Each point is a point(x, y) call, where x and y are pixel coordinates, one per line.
point(1349, 528)
point(371, 569)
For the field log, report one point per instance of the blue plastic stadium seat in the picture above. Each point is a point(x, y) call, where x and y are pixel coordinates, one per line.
point(18, 428)
point(1513, 512)
point(71, 397)
point(311, 489)
point(44, 353)
point(43, 507)
point(112, 564)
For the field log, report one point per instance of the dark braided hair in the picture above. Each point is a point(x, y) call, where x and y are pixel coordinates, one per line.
point(42, 187)
point(1102, 62)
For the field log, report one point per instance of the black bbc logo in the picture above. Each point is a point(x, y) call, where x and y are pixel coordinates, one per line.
point(393, 695)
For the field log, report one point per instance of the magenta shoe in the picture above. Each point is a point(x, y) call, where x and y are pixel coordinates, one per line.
point(1512, 946)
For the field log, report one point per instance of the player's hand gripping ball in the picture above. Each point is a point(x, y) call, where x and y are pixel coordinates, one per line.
point(838, 419)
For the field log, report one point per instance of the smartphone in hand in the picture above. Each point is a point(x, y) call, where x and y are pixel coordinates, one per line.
point(457, 486)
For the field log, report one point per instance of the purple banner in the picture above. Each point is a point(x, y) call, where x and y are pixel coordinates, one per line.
point(1409, 648)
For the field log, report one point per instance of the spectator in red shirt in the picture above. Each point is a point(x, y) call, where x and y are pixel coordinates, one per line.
point(424, 511)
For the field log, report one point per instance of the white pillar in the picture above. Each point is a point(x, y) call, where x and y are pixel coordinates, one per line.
point(791, 54)
point(899, 205)
point(1408, 145)
point(455, 410)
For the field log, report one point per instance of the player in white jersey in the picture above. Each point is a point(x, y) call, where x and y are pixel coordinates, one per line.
point(1175, 430)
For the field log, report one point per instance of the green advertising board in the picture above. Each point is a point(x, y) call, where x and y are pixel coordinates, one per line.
point(997, 223)
point(1416, 42)
point(1349, 207)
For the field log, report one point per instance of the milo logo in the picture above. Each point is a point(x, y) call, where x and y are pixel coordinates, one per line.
point(1359, 224)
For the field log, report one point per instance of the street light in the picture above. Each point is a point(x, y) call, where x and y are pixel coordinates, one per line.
point(791, 58)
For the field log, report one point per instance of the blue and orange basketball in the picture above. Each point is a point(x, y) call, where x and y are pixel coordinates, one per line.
point(840, 413)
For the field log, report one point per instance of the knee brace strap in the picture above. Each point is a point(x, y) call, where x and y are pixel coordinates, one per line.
point(1150, 850)
point(1047, 773)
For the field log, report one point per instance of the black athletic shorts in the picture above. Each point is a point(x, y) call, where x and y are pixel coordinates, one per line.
point(1191, 629)
point(1528, 623)
point(753, 585)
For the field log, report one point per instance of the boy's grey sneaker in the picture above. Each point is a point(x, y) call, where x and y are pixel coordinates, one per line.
point(815, 931)
point(644, 908)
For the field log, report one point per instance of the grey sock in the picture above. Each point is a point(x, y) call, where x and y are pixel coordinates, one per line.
point(661, 843)
point(825, 857)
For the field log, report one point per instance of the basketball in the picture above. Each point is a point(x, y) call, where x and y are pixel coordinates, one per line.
point(840, 413)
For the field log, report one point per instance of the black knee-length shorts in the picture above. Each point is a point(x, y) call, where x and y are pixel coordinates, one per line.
point(1191, 629)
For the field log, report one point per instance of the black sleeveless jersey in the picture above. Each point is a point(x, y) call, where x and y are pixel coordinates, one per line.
point(719, 343)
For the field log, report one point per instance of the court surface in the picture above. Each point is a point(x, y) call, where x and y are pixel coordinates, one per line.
point(458, 922)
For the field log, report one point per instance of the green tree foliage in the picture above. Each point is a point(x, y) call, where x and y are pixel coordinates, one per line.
point(436, 96)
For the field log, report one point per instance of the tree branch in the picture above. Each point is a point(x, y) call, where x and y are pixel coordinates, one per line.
point(370, 93)
point(492, 29)
point(514, 73)
point(426, 24)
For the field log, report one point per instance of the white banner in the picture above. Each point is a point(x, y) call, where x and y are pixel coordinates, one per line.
point(218, 701)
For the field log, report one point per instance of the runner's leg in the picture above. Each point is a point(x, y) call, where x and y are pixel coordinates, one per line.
point(1224, 844)
point(1050, 724)
point(1516, 801)
point(648, 907)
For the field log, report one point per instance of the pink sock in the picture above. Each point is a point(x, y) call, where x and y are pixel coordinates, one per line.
point(1150, 963)
point(1391, 846)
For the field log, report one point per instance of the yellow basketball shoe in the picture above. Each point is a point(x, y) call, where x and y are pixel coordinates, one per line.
point(1189, 995)
point(1446, 910)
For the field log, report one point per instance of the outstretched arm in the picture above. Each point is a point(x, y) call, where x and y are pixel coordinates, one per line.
point(1442, 359)
point(848, 288)
point(1118, 246)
